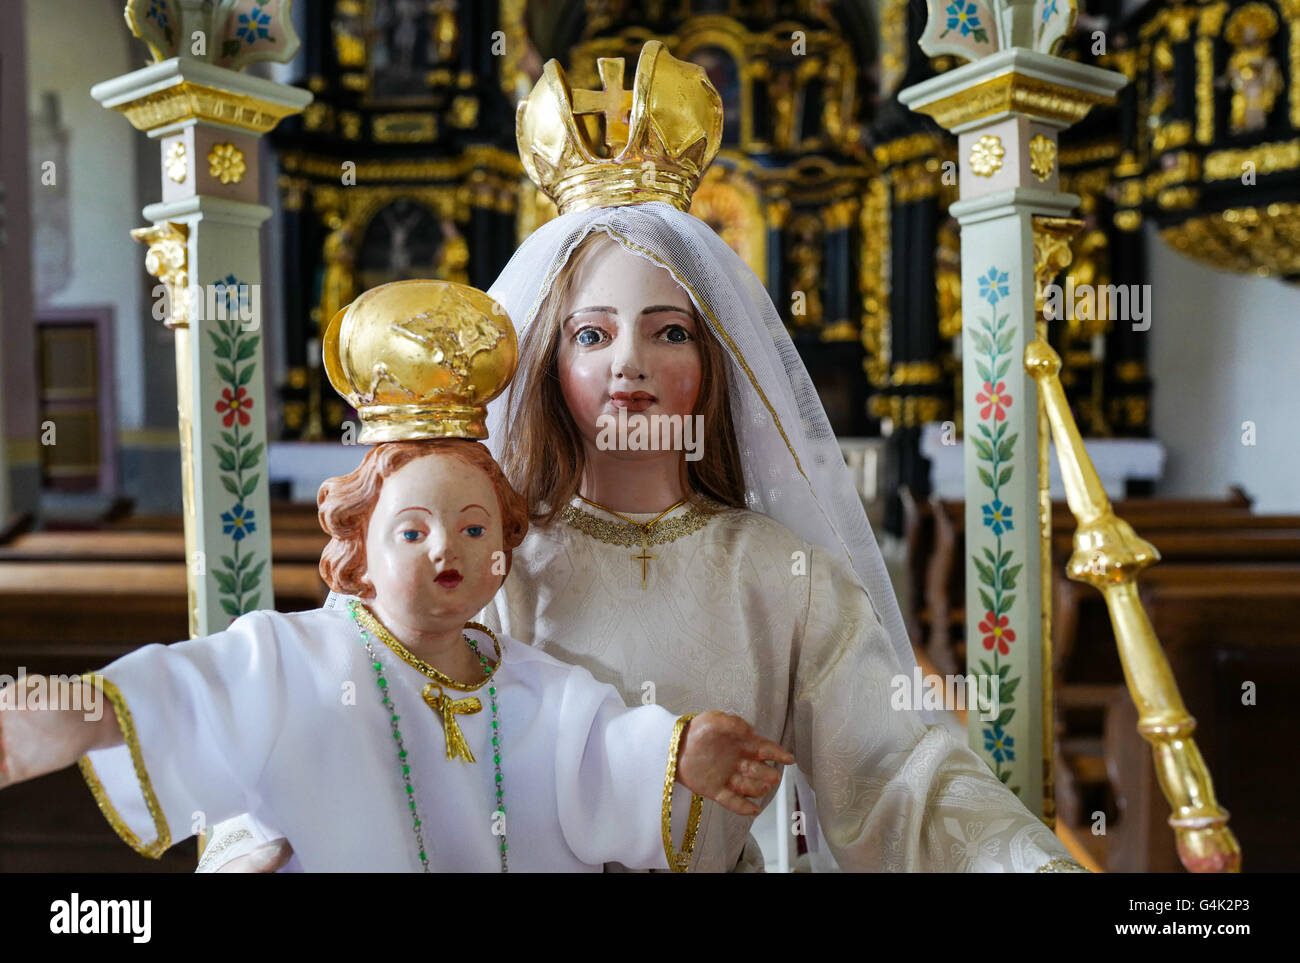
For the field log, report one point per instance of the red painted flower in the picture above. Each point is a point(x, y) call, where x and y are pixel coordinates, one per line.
point(994, 399)
point(999, 634)
point(234, 406)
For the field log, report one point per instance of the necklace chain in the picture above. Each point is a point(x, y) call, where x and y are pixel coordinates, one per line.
point(359, 614)
point(631, 533)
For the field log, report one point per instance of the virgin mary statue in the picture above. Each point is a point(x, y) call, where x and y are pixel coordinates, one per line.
point(739, 573)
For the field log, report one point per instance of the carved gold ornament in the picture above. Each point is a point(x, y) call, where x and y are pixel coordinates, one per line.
point(1042, 156)
point(226, 163)
point(986, 155)
point(177, 163)
point(168, 261)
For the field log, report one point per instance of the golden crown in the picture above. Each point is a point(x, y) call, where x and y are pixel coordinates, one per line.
point(655, 143)
point(420, 359)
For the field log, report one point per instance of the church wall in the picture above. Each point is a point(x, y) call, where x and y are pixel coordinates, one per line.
point(73, 45)
point(18, 489)
point(1224, 350)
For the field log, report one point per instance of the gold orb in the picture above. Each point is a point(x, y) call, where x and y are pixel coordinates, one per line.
point(420, 359)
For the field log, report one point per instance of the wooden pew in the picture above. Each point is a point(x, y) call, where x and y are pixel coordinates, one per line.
point(69, 617)
point(144, 546)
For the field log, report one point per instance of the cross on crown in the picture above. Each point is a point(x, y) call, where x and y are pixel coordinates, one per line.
point(611, 100)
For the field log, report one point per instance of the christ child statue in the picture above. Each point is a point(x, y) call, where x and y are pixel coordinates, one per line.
point(396, 735)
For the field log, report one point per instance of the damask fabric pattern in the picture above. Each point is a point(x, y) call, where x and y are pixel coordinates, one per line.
point(745, 617)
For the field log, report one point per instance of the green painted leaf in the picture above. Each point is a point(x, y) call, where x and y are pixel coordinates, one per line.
point(246, 349)
point(1007, 446)
point(248, 582)
point(981, 36)
point(986, 478)
point(229, 562)
point(1007, 689)
point(230, 486)
point(983, 429)
point(980, 343)
point(249, 457)
point(256, 570)
point(986, 573)
point(1005, 775)
point(227, 582)
point(983, 369)
point(1006, 557)
point(250, 485)
point(226, 457)
point(226, 373)
point(1016, 790)
point(1005, 716)
point(245, 375)
point(983, 449)
point(1002, 320)
point(987, 600)
point(1003, 670)
point(1004, 606)
point(230, 608)
point(243, 562)
point(229, 439)
point(988, 553)
point(250, 603)
point(1005, 476)
point(1004, 342)
point(1002, 368)
point(1001, 430)
point(220, 346)
point(1009, 576)
point(988, 669)
point(245, 440)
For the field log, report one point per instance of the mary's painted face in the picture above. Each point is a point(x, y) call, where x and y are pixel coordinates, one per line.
point(628, 339)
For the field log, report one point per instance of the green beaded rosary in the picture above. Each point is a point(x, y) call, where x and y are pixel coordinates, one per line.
point(402, 759)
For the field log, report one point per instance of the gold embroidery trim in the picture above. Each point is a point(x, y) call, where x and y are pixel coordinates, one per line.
point(1062, 865)
point(220, 846)
point(163, 841)
point(376, 628)
point(632, 535)
point(679, 862)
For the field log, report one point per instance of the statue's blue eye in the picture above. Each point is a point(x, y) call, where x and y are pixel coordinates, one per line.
point(475, 531)
point(411, 535)
point(584, 340)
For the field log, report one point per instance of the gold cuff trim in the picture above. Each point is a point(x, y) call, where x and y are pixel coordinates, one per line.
point(679, 862)
point(163, 841)
point(1062, 865)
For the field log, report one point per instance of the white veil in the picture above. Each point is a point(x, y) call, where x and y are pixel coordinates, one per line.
point(794, 470)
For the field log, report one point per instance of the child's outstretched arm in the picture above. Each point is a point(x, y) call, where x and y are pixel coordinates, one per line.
point(36, 740)
point(721, 757)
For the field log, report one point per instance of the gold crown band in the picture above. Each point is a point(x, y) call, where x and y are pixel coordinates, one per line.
point(612, 186)
point(415, 422)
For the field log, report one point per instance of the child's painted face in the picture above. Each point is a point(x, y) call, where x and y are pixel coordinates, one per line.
point(628, 339)
point(431, 542)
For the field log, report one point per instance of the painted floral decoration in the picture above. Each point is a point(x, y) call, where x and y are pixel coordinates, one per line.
point(177, 163)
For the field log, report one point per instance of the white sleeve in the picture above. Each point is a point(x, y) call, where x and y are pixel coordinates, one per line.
point(610, 767)
point(199, 720)
point(891, 793)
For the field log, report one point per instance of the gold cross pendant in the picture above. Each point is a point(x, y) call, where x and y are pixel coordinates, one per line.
point(448, 707)
point(643, 558)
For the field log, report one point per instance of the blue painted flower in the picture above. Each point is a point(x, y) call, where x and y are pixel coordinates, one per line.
point(993, 286)
point(1049, 11)
point(1000, 744)
point(157, 13)
point(237, 522)
point(235, 293)
point(998, 517)
point(253, 26)
point(963, 15)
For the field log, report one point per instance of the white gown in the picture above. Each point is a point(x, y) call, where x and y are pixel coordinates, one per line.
point(743, 616)
point(280, 717)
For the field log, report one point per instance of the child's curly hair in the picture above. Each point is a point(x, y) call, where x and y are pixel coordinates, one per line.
point(346, 503)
